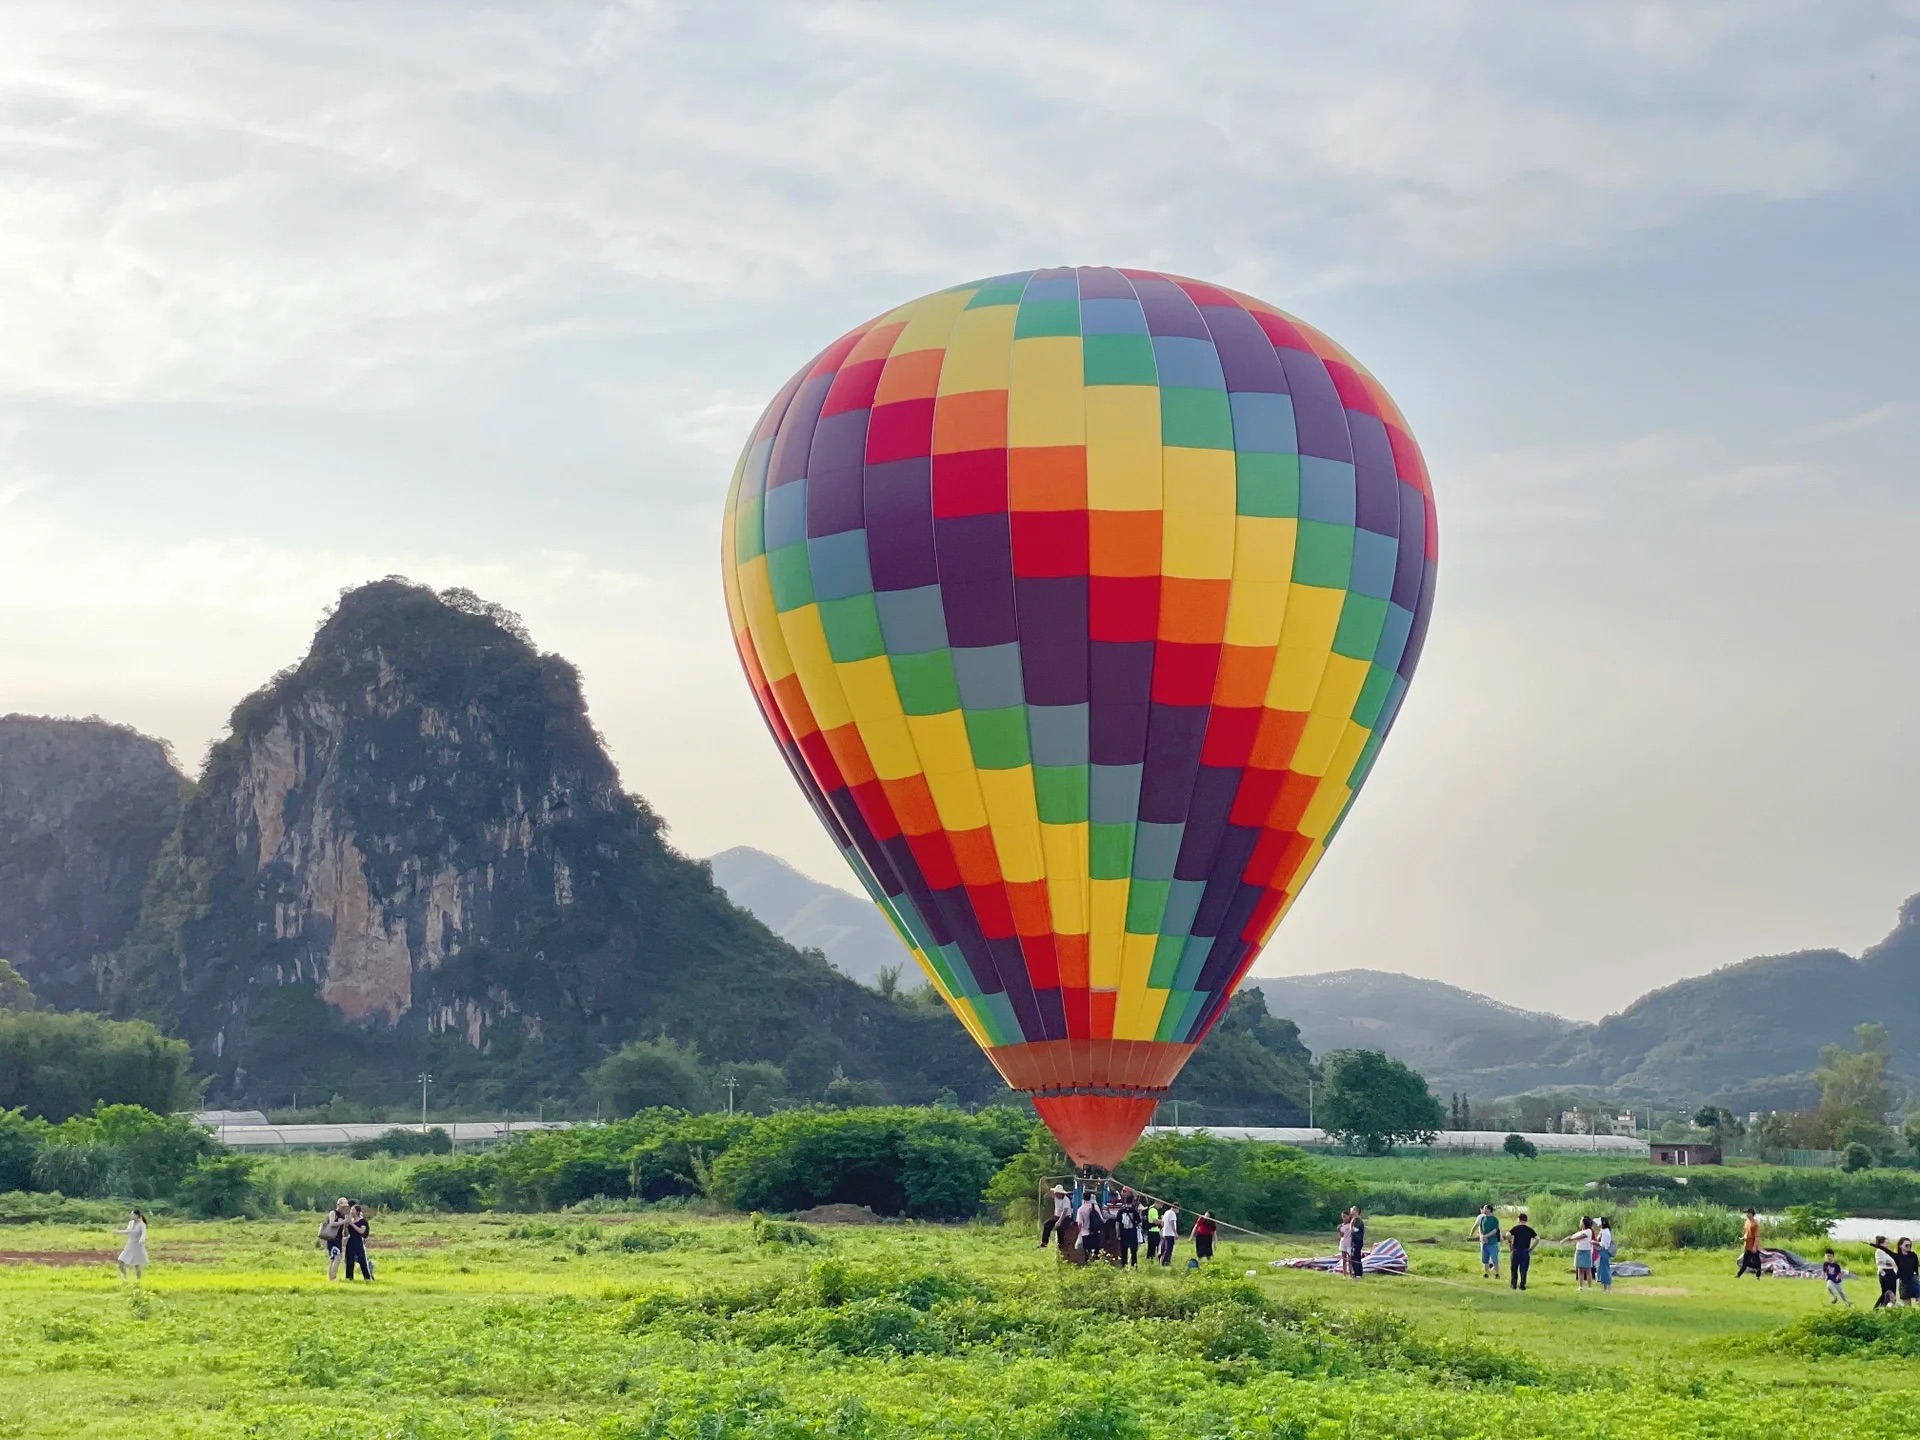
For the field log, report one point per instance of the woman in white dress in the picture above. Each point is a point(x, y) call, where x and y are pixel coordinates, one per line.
point(133, 1256)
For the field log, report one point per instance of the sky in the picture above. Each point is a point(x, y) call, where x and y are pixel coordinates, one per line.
point(296, 296)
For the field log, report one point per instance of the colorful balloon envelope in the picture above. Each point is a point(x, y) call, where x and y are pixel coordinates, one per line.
point(1079, 602)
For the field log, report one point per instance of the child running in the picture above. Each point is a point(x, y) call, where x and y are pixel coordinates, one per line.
point(1834, 1275)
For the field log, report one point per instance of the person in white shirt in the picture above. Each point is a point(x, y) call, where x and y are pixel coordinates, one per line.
point(1169, 1232)
point(1062, 1208)
point(1582, 1253)
point(1603, 1253)
point(134, 1256)
point(1088, 1216)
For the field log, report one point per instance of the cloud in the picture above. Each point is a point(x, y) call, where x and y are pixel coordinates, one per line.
point(323, 203)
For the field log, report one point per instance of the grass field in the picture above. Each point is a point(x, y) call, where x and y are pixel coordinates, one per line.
point(639, 1325)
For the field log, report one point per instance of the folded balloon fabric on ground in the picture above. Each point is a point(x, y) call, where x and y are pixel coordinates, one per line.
point(1384, 1257)
point(1079, 602)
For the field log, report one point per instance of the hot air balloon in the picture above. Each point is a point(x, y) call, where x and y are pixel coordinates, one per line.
point(1079, 602)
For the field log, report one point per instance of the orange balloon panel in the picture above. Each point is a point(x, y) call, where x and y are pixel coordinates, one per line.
point(1079, 602)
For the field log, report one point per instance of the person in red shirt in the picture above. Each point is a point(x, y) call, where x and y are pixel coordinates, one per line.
point(1203, 1232)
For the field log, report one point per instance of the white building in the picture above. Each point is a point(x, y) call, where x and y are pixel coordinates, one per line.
point(1475, 1140)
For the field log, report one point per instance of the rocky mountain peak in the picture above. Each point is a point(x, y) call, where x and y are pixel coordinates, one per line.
point(411, 848)
point(84, 807)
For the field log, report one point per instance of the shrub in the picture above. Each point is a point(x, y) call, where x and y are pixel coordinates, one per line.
point(943, 1178)
point(449, 1184)
point(1272, 1186)
point(1654, 1226)
point(398, 1141)
point(1813, 1221)
point(154, 1153)
point(314, 1182)
point(1520, 1147)
point(1893, 1333)
point(222, 1186)
point(872, 1157)
point(1857, 1157)
point(679, 1159)
point(20, 1141)
point(1630, 1181)
point(647, 1074)
point(20, 1207)
point(60, 1065)
point(782, 1232)
point(1888, 1193)
point(85, 1168)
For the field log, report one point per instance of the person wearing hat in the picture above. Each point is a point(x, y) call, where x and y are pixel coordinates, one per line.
point(1062, 1208)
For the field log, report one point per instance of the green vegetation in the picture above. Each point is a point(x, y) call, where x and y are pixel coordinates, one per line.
point(15, 993)
point(57, 1066)
point(403, 1142)
point(933, 1163)
point(1374, 1103)
point(570, 1326)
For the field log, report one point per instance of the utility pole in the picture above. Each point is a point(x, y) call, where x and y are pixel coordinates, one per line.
point(731, 1084)
point(426, 1079)
point(1309, 1102)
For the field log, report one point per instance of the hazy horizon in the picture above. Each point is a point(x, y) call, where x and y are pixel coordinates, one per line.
point(299, 297)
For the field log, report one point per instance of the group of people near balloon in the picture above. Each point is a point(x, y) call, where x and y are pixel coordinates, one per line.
point(1096, 1219)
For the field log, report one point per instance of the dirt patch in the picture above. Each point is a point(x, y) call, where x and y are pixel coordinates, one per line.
point(425, 1242)
point(1654, 1290)
point(55, 1257)
point(838, 1215)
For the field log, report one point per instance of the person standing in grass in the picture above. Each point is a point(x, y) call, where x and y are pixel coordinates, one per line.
point(1887, 1270)
point(1169, 1232)
point(1750, 1246)
point(1603, 1253)
point(133, 1255)
point(1346, 1240)
point(1486, 1228)
point(1906, 1270)
point(1153, 1231)
point(333, 1236)
point(1834, 1275)
point(1128, 1221)
point(1357, 1245)
point(1204, 1229)
point(1088, 1218)
point(1583, 1253)
point(359, 1228)
point(1520, 1257)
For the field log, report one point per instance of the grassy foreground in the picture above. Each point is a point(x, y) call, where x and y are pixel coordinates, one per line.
point(648, 1326)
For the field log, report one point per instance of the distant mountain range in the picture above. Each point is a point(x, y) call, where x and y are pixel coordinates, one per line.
point(411, 852)
point(1747, 1035)
point(845, 928)
point(1442, 1031)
